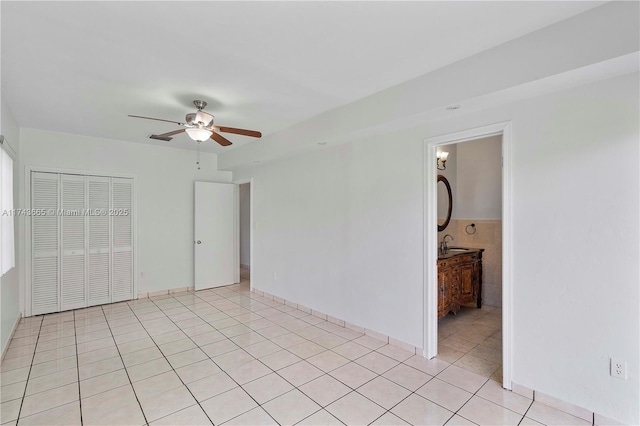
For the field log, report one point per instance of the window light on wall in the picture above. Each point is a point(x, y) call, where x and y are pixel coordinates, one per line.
point(7, 247)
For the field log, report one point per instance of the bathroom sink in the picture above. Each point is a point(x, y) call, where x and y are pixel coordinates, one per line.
point(458, 249)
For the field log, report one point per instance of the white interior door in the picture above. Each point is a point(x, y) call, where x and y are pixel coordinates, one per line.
point(215, 242)
point(99, 230)
point(73, 280)
point(45, 279)
point(122, 239)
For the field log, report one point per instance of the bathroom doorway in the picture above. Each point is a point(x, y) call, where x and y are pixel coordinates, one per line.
point(245, 231)
point(467, 303)
point(470, 257)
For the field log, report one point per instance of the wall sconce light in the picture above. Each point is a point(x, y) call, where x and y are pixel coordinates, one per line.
point(442, 160)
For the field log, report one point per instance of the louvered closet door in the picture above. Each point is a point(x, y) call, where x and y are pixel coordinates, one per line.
point(122, 238)
point(44, 249)
point(99, 230)
point(72, 265)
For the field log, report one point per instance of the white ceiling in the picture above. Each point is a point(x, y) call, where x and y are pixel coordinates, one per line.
point(81, 67)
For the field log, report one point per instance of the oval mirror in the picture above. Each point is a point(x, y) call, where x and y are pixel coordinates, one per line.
point(445, 203)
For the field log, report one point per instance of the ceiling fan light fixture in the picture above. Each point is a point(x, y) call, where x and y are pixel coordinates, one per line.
point(203, 118)
point(199, 135)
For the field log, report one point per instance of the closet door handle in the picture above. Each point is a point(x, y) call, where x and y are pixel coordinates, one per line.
point(199, 242)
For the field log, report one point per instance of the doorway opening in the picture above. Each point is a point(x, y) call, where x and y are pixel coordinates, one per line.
point(245, 231)
point(470, 256)
point(468, 305)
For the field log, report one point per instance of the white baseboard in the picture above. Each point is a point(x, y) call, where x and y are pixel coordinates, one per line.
point(558, 404)
point(342, 323)
point(566, 407)
point(13, 331)
point(163, 292)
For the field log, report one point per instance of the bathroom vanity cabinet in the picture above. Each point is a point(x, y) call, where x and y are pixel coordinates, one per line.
point(459, 279)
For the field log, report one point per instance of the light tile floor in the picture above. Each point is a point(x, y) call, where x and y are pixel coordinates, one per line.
point(227, 356)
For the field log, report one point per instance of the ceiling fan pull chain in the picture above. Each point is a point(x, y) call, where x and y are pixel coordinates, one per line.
point(198, 155)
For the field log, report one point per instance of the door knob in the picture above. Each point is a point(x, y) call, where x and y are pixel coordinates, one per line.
point(199, 242)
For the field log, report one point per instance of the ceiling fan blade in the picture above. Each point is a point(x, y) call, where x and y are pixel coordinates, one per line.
point(168, 134)
point(220, 139)
point(157, 119)
point(244, 132)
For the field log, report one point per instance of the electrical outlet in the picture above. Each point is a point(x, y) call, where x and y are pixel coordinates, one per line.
point(618, 369)
point(275, 276)
point(141, 274)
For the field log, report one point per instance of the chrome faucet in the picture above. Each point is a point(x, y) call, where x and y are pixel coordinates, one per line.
point(444, 248)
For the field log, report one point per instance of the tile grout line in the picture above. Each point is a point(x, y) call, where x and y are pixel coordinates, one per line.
point(170, 365)
point(289, 331)
point(283, 378)
point(303, 359)
point(479, 396)
point(322, 407)
point(75, 335)
point(525, 413)
point(257, 359)
point(125, 368)
point(327, 373)
point(29, 374)
point(218, 330)
point(189, 337)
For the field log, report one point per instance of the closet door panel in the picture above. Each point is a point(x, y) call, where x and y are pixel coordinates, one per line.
point(45, 229)
point(99, 230)
point(73, 268)
point(122, 238)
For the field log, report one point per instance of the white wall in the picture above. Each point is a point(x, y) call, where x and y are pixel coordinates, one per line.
point(340, 230)
point(165, 194)
point(244, 194)
point(479, 179)
point(9, 283)
point(474, 172)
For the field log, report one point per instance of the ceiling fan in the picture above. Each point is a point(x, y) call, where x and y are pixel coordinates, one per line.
point(199, 126)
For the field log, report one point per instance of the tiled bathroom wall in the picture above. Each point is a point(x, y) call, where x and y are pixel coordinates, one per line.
point(488, 235)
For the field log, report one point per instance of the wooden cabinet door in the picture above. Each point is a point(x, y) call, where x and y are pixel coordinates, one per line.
point(477, 282)
point(442, 284)
point(466, 283)
point(455, 288)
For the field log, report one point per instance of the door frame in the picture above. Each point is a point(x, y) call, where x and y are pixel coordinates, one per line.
point(252, 227)
point(430, 285)
point(26, 226)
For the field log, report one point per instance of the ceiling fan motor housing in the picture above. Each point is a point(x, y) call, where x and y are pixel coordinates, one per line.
point(200, 104)
point(200, 118)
